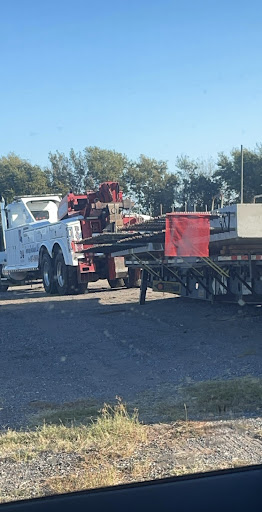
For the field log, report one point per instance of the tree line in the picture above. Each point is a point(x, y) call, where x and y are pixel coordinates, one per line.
point(191, 184)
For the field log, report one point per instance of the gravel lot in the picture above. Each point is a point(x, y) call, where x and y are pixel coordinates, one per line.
point(103, 344)
point(97, 346)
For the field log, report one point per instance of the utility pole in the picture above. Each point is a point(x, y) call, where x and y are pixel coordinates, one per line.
point(242, 177)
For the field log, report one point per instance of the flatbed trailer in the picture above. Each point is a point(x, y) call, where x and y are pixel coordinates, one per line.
point(213, 256)
point(236, 278)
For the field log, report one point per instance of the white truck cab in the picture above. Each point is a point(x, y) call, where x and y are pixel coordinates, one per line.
point(28, 209)
point(30, 228)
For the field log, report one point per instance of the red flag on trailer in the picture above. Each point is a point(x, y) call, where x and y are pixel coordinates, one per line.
point(187, 234)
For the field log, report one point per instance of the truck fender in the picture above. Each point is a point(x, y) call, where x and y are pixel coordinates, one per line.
point(43, 250)
point(53, 249)
point(62, 247)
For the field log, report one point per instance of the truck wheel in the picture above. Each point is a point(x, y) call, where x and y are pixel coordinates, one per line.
point(62, 276)
point(48, 274)
point(3, 287)
point(116, 283)
point(74, 287)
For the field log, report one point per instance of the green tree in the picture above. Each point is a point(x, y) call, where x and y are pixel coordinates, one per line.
point(20, 177)
point(150, 183)
point(85, 170)
point(78, 167)
point(229, 173)
point(198, 185)
point(104, 165)
point(61, 174)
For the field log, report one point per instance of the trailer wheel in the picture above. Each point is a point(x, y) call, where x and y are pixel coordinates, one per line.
point(48, 274)
point(116, 283)
point(62, 277)
point(133, 280)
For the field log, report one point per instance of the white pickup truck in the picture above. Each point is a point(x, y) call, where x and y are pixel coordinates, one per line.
point(37, 245)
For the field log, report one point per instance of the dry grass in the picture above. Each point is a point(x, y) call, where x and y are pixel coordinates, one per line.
point(234, 395)
point(198, 467)
point(89, 479)
point(113, 432)
point(200, 400)
point(140, 470)
point(79, 426)
point(212, 398)
point(201, 467)
point(78, 412)
point(110, 446)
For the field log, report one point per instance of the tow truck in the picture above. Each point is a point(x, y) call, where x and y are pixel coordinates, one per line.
point(44, 237)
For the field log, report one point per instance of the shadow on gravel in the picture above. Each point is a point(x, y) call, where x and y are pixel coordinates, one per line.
point(18, 293)
point(171, 359)
point(38, 292)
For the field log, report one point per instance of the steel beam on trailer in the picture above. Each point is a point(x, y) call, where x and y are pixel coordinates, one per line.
point(172, 272)
point(144, 249)
point(222, 284)
point(136, 262)
point(176, 276)
point(243, 282)
point(200, 282)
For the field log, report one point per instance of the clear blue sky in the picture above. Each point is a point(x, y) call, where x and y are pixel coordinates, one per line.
point(157, 77)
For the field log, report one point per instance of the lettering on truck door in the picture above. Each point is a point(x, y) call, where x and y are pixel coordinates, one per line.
point(20, 247)
point(30, 247)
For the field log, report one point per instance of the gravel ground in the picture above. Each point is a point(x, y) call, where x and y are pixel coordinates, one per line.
point(216, 445)
point(103, 344)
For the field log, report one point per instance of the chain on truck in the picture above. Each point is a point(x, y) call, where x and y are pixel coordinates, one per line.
point(44, 237)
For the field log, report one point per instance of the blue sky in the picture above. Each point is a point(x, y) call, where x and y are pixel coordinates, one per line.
point(160, 78)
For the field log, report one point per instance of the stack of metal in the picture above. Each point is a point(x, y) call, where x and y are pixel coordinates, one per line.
point(157, 224)
point(138, 235)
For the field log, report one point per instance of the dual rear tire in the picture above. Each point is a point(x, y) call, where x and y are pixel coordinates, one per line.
point(133, 280)
point(47, 272)
point(59, 277)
